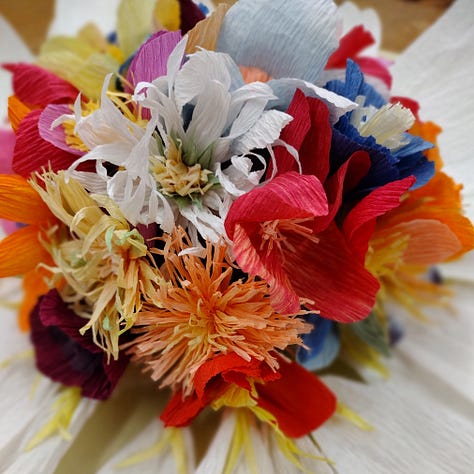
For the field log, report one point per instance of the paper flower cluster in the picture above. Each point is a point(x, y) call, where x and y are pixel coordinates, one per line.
point(224, 204)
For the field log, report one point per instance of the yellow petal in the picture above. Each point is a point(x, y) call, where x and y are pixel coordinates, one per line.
point(134, 23)
point(167, 14)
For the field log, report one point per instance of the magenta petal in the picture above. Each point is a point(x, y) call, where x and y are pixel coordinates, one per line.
point(151, 59)
point(56, 135)
point(65, 356)
point(36, 86)
point(33, 153)
point(7, 145)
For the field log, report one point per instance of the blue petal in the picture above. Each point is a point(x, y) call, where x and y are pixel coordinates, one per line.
point(323, 342)
point(285, 39)
point(355, 85)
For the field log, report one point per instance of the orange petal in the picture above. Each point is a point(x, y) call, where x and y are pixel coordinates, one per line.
point(19, 202)
point(34, 286)
point(21, 251)
point(17, 111)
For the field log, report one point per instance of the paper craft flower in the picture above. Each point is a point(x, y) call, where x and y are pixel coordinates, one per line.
point(210, 212)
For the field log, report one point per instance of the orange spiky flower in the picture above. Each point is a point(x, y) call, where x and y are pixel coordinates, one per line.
point(200, 311)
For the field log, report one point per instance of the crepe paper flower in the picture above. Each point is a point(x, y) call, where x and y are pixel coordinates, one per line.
point(285, 245)
point(31, 149)
point(193, 167)
point(379, 129)
point(267, 391)
point(65, 355)
point(103, 261)
point(181, 326)
point(176, 15)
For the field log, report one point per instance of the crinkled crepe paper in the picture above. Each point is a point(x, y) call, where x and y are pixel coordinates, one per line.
point(422, 415)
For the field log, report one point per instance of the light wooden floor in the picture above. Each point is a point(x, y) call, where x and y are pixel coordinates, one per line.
point(403, 20)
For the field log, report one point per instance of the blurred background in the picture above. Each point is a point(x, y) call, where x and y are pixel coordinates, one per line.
point(403, 20)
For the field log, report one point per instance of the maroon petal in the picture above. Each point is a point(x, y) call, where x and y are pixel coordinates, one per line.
point(36, 86)
point(67, 357)
point(190, 15)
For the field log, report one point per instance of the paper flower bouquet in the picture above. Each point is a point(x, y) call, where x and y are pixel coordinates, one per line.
point(225, 204)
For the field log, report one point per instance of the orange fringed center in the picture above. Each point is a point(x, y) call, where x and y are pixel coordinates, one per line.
point(201, 312)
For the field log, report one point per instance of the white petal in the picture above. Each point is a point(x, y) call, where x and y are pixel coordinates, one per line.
point(214, 461)
point(201, 69)
point(263, 133)
point(209, 117)
point(285, 90)
point(163, 461)
point(436, 70)
point(423, 414)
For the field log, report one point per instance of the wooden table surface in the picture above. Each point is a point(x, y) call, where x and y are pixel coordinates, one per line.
point(403, 20)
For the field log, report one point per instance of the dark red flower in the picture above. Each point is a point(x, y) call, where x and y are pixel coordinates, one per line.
point(67, 357)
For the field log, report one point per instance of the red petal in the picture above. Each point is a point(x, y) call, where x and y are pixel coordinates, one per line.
point(291, 196)
point(180, 412)
point(299, 401)
point(359, 224)
point(33, 153)
point(350, 45)
point(310, 133)
point(331, 275)
point(36, 86)
point(375, 67)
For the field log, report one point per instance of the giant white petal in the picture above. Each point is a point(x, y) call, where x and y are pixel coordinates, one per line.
point(437, 71)
point(294, 44)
